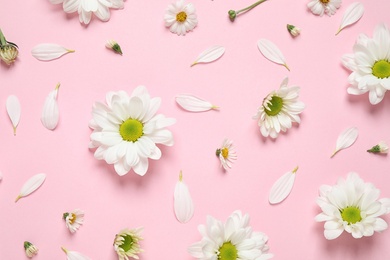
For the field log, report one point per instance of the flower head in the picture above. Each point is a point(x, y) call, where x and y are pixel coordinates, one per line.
point(73, 219)
point(127, 129)
point(126, 243)
point(370, 65)
point(293, 30)
point(352, 205)
point(30, 249)
point(232, 240)
point(8, 50)
point(382, 147)
point(319, 7)
point(226, 154)
point(233, 14)
point(113, 45)
point(279, 110)
point(85, 8)
point(180, 17)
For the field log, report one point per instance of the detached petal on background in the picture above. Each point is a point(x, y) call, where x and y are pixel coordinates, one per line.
point(272, 52)
point(73, 255)
point(282, 187)
point(31, 185)
point(211, 54)
point(49, 51)
point(50, 113)
point(13, 110)
point(353, 13)
point(183, 205)
point(194, 104)
point(346, 139)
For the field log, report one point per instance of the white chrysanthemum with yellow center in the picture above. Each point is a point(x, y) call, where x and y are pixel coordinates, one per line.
point(233, 240)
point(319, 7)
point(370, 65)
point(127, 129)
point(127, 245)
point(352, 205)
point(226, 154)
point(279, 110)
point(73, 219)
point(180, 17)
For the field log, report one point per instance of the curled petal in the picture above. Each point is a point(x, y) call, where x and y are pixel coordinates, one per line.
point(353, 13)
point(272, 52)
point(183, 205)
point(194, 104)
point(73, 255)
point(50, 112)
point(31, 185)
point(211, 54)
point(282, 187)
point(13, 110)
point(346, 139)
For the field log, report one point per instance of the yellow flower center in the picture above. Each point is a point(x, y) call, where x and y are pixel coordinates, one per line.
point(181, 17)
point(227, 252)
point(275, 105)
point(351, 214)
point(381, 69)
point(225, 152)
point(127, 243)
point(72, 218)
point(324, 1)
point(131, 130)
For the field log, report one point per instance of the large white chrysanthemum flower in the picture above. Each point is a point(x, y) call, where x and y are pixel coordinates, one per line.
point(319, 7)
point(85, 8)
point(370, 65)
point(352, 205)
point(279, 110)
point(226, 154)
point(126, 243)
point(180, 17)
point(233, 240)
point(127, 129)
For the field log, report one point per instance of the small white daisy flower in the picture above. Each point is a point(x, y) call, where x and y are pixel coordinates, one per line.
point(31, 250)
point(279, 110)
point(226, 154)
point(127, 245)
point(370, 65)
point(73, 219)
point(382, 147)
point(319, 7)
point(180, 17)
point(232, 240)
point(352, 205)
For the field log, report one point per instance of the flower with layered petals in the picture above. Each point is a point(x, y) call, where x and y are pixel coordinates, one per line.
point(73, 219)
point(8, 50)
point(126, 244)
point(319, 7)
point(226, 154)
point(233, 240)
point(370, 65)
point(180, 17)
point(352, 205)
point(31, 250)
point(127, 129)
point(279, 110)
point(85, 8)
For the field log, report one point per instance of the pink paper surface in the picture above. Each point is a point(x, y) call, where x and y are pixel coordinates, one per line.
point(237, 83)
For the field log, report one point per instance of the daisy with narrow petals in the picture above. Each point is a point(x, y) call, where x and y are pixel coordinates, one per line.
point(233, 240)
point(180, 17)
point(319, 7)
point(370, 65)
point(226, 154)
point(73, 219)
point(126, 244)
point(352, 205)
point(127, 129)
point(85, 8)
point(279, 110)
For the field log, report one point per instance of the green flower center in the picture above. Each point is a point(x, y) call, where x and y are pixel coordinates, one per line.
point(381, 69)
point(127, 243)
point(181, 17)
point(275, 105)
point(227, 252)
point(131, 130)
point(351, 214)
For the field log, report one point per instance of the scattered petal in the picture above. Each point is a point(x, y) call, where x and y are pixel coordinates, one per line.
point(382, 147)
point(183, 205)
point(49, 51)
point(194, 104)
point(346, 139)
point(50, 113)
point(282, 187)
point(211, 54)
point(353, 13)
point(73, 255)
point(31, 185)
point(271, 52)
point(13, 110)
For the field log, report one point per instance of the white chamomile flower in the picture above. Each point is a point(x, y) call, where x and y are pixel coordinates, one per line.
point(232, 240)
point(127, 129)
point(73, 219)
point(352, 205)
point(370, 65)
point(319, 7)
point(382, 147)
point(226, 154)
point(279, 110)
point(31, 250)
point(126, 243)
point(85, 8)
point(180, 17)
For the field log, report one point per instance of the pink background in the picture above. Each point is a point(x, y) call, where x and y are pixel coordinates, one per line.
point(237, 83)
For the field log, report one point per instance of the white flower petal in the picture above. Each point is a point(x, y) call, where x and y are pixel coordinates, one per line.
point(209, 55)
point(282, 187)
point(353, 13)
point(183, 205)
point(194, 104)
point(49, 51)
point(73, 255)
point(13, 110)
point(346, 139)
point(31, 185)
point(271, 52)
point(50, 113)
